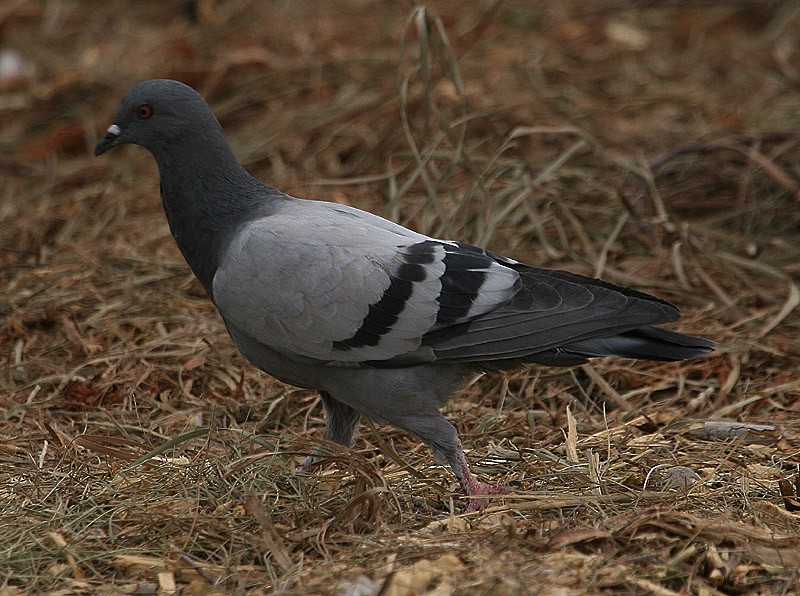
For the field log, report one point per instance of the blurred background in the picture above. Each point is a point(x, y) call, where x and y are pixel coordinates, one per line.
point(653, 144)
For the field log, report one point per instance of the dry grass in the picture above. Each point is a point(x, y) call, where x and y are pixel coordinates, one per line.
point(653, 145)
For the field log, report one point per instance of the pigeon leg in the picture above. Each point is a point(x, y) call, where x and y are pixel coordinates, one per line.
point(441, 436)
point(342, 420)
point(340, 426)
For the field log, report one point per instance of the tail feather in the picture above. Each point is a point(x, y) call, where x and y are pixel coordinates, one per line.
point(645, 343)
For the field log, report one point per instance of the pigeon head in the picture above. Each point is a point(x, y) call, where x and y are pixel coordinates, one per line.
point(157, 114)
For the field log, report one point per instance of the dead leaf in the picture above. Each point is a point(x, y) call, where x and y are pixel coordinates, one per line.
point(426, 577)
point(570, 537)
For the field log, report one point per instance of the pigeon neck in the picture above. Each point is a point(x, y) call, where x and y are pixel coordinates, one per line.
point(206, 194)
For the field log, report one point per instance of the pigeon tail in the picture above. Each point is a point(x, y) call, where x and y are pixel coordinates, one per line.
point(644, 343)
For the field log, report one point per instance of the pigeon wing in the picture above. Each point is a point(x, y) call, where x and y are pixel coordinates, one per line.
point(552, 310)
point(341, 286)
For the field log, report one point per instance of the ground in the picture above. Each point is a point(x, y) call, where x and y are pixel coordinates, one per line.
point(652, 144)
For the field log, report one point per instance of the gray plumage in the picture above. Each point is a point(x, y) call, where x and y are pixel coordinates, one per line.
point(383, 321)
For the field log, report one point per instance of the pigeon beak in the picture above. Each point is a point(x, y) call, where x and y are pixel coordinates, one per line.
point(109, 140)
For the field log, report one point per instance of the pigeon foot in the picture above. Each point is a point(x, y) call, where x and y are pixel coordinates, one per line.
point(473, 488)
point(480, 489)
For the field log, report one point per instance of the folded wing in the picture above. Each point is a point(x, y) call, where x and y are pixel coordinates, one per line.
point(335, 285)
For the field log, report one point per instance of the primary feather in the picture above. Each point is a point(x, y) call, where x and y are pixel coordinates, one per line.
point(383, 321)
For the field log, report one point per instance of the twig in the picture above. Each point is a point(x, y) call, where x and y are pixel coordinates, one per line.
point(269, 534)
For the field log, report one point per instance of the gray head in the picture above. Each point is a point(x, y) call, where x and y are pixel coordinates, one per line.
point(205, 191)
point(158, 113)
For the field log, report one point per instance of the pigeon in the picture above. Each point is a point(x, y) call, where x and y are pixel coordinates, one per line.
point(384, 322)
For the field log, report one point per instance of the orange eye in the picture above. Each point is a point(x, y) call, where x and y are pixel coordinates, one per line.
point(144, 111)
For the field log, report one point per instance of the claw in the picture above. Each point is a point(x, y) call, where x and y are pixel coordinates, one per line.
point(308, 462)
point(479, 489)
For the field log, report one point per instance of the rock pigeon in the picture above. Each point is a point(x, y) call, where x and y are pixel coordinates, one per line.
point(382, 321)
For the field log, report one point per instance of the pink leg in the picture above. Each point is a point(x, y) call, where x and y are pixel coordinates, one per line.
point(473, 487)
